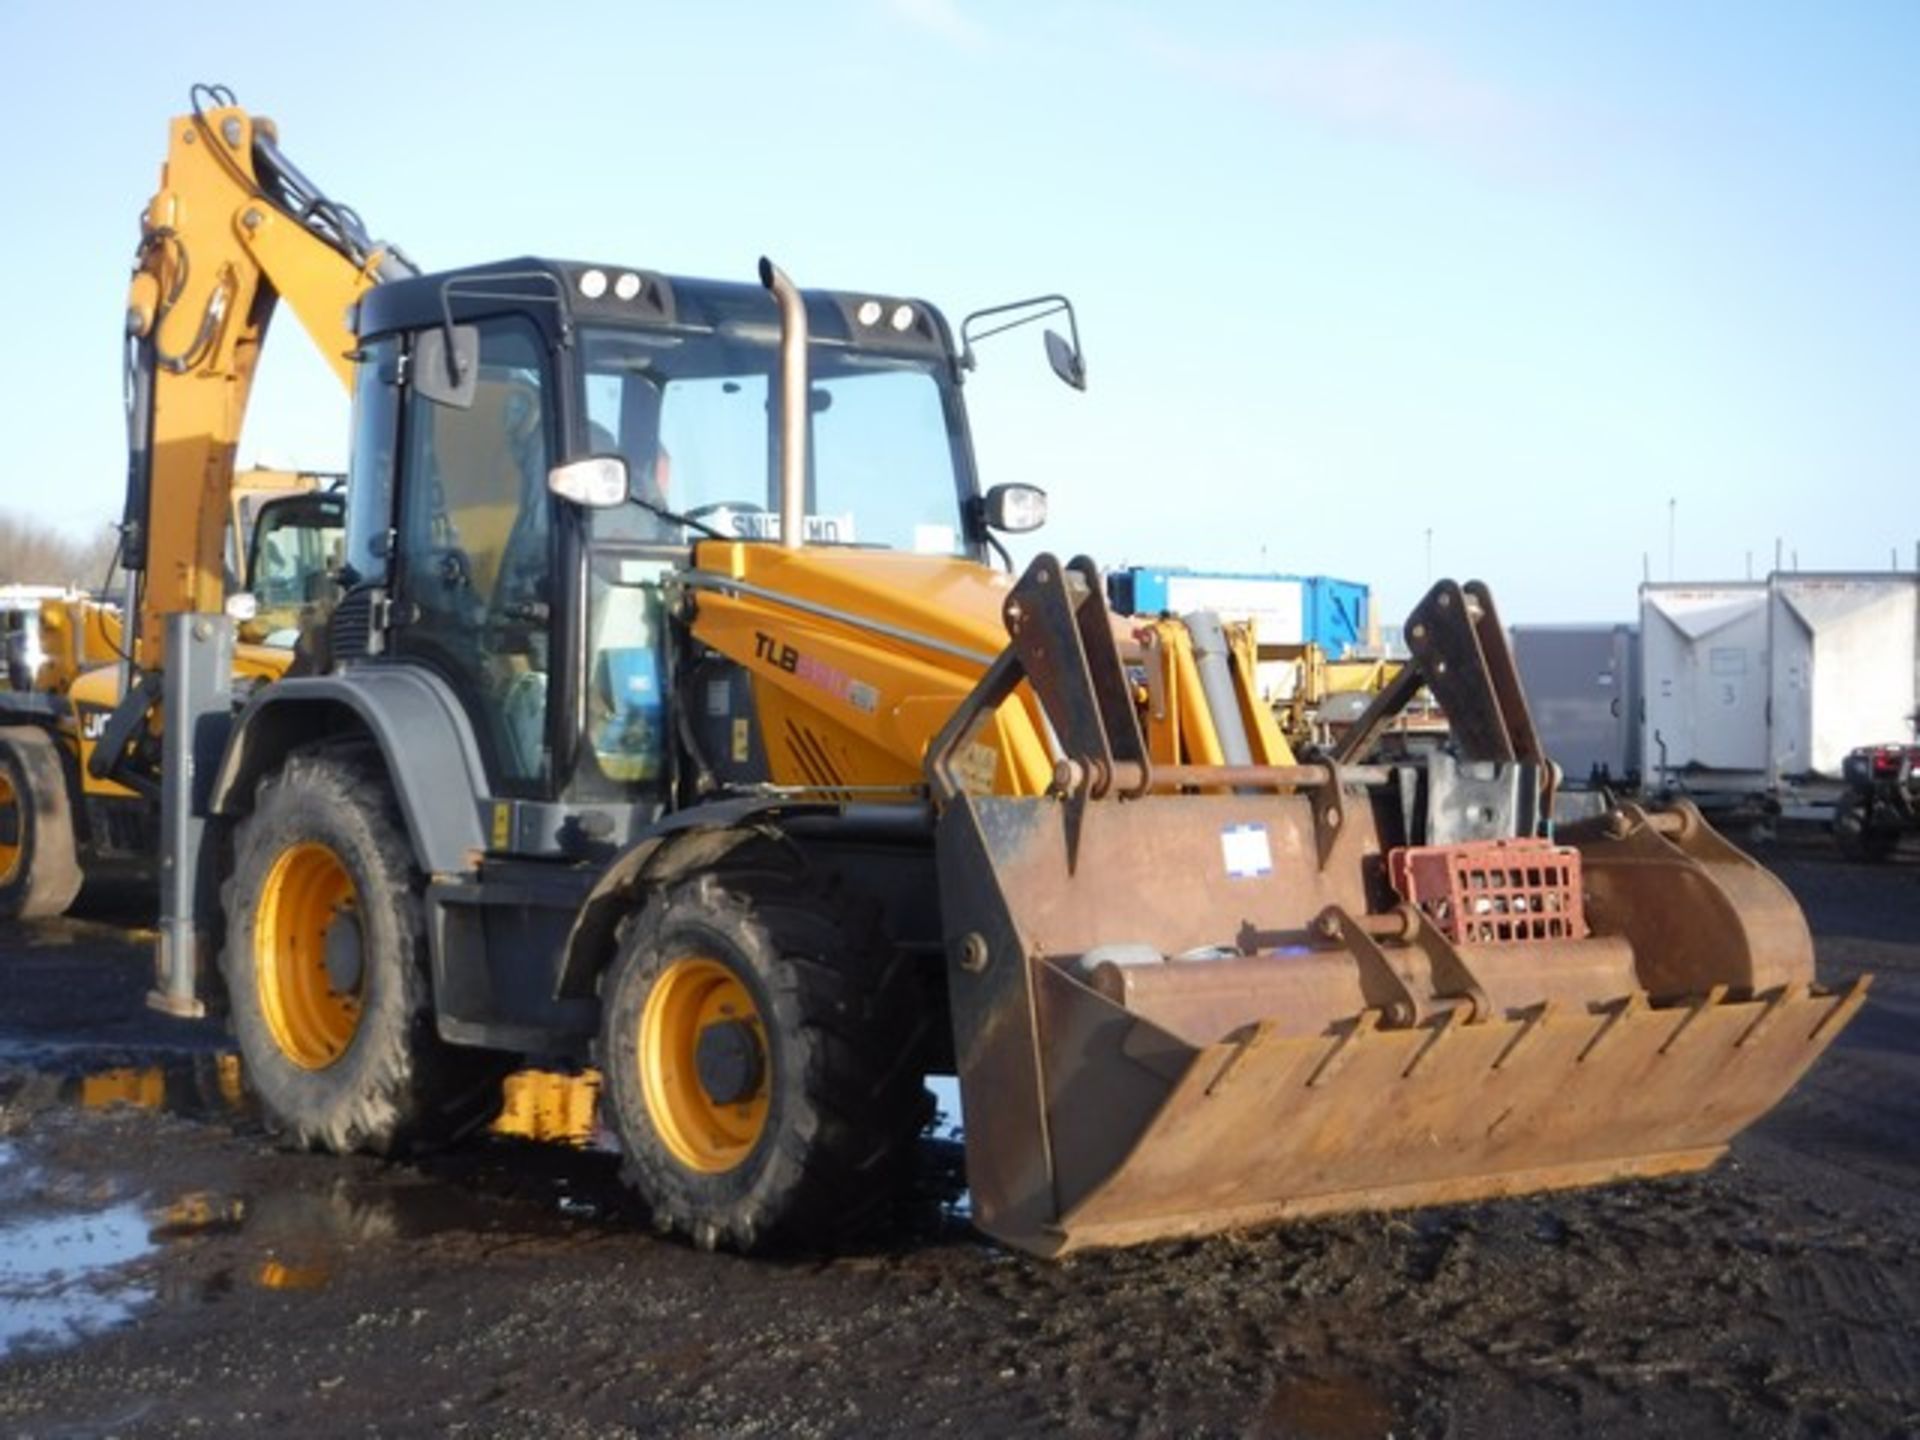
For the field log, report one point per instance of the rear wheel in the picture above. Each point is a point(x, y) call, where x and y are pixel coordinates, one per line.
point(39, 866)
point(1858, 837)
point(326, 970)
point(760, 1052)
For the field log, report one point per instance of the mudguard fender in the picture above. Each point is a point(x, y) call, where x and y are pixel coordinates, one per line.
point(423, 735)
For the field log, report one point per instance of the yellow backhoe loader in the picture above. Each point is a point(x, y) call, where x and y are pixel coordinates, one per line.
point(674, 719)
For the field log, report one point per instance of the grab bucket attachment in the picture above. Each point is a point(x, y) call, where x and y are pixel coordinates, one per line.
point(1190, 997)
point(1296, 1062)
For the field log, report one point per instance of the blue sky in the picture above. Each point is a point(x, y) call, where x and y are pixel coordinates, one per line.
point(1516, 274)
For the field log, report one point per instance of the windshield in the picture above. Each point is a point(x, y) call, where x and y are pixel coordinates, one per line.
point(691, 414)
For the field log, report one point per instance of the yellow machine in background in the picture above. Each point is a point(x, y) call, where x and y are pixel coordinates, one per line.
point(1321, 698)
point(232, 230)
point(282, 539)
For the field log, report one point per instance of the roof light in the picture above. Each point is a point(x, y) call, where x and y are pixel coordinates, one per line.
point(593, 283)
point(627, 286)
point(902, 317)
point(869, 312)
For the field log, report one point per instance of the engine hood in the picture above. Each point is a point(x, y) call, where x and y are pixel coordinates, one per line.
point(953, 602)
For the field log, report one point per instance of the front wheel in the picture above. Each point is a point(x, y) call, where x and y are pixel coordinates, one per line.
point(326, 969)
point(760, 1051)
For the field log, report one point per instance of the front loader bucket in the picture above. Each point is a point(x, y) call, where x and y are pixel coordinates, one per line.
point(1187, 1013)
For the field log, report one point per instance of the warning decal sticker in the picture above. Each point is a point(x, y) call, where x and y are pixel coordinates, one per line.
point(1246, 851)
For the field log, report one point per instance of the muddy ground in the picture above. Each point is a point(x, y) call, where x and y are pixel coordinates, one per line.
point(165, 1270)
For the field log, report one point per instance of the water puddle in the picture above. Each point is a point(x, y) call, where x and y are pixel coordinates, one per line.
point(62, 1273)
point(69, 1243)
point(545, 1168)
point(302, 1239)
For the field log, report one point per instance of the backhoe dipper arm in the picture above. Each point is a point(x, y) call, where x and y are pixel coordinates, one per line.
point(233, 229)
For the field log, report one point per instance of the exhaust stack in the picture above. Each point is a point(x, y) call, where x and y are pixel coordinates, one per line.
point(793, 403)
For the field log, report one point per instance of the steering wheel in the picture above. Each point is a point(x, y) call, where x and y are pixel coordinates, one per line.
point(451, 566)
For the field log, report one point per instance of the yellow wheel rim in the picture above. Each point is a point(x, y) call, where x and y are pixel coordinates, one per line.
point(13, 821)
point(693, 1000)
point(313, 1014)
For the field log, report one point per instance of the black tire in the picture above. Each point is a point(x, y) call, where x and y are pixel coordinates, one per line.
point(1856, 834)
point(40, 871)
point(393, 1084)
point(841, 1057)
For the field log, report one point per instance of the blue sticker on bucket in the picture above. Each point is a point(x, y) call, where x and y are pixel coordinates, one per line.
point(1246, 851)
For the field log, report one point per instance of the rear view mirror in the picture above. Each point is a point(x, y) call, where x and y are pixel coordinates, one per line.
point(446, 365)
point(1063, 351)
point(597, 483)
point(1067, 362)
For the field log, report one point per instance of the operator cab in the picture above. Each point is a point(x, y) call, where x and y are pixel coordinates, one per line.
point(474, 386)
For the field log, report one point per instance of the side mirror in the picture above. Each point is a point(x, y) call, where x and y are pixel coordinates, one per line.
point(1067, 361)
point(446, 365)
point(1014, 509)
point(1063, 351)
point(599, 482)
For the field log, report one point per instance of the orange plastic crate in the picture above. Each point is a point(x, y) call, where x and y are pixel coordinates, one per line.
point(1495, 891)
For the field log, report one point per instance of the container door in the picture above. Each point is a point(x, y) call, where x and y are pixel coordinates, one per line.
point(1843, 677)
point(1706, 677)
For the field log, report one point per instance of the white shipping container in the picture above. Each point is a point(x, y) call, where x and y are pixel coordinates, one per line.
point(1704, 672)
point(1844, 667)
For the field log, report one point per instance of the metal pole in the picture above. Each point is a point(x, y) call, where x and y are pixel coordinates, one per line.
point(196, 714)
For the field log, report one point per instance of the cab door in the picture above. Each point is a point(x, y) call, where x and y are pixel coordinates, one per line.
point(475, 592)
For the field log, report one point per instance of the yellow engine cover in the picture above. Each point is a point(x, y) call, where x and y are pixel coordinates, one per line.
point(858, 657)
